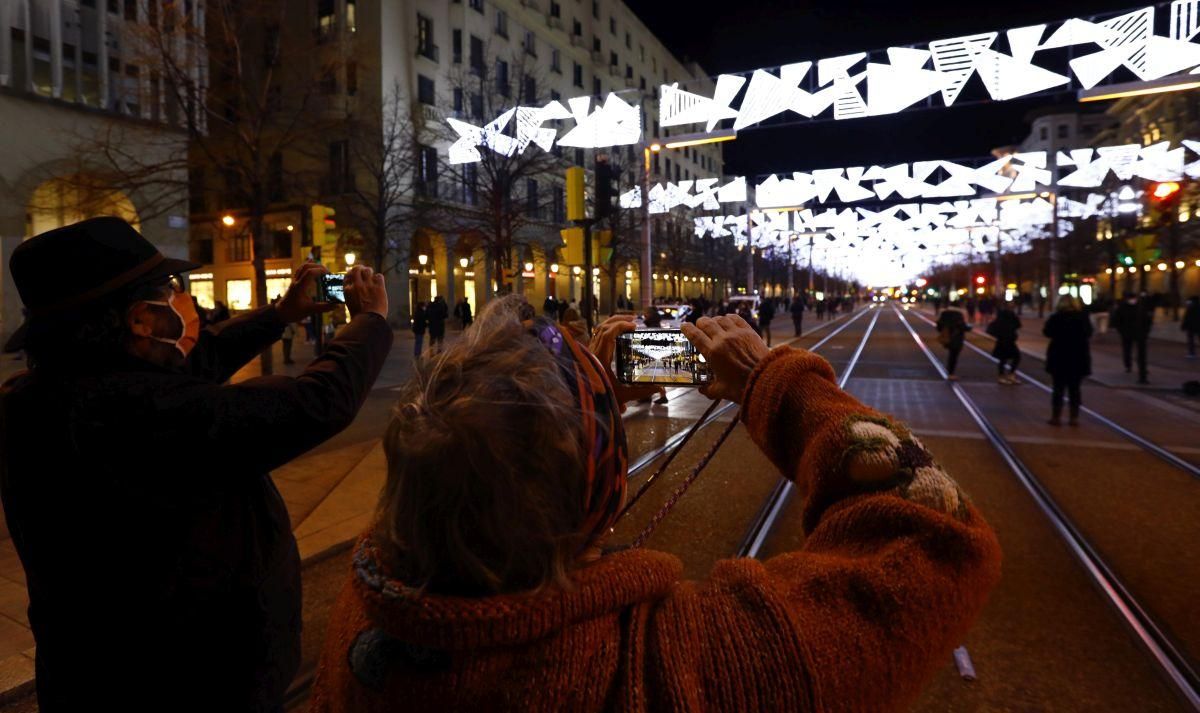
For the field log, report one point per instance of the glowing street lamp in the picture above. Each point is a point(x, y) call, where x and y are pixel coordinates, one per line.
point(350, 259)
point(575, 270)
point(528, 267)
point(463, 262)
point(423, 259)
point(227, 220)
point(554, 267)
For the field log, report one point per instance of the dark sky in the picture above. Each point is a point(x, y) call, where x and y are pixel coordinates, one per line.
point(737, 35)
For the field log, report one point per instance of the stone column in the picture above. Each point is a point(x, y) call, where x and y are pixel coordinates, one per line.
point(398, 281)
point(447, 288)
point(56, 48)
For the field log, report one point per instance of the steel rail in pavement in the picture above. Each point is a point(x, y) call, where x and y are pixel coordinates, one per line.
point(1160, 647)
point(1142, 441)
point(764, 521)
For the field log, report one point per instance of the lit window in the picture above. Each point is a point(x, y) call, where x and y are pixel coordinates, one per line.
point(202, 290)
point(238, 294)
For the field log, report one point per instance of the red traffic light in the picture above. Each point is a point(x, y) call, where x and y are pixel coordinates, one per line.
point(1165, 191)
point(980, 279)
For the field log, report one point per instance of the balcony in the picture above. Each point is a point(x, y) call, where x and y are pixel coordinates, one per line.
point(426, 115)
point(553, 22)
point(597, 57)
point(429, 51)
point(577, 41)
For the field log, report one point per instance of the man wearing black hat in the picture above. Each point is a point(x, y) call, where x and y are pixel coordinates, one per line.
point(161, 567)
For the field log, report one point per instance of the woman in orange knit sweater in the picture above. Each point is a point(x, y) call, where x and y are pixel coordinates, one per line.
point(485, 584)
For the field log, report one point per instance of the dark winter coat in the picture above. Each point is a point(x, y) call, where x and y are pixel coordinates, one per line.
point(1133, 321)
point(797, 308)
point(1068, 356)
point(161, 566)
point(1191, 316)
point(436, 313)
point(420, 320)
point(1004, 328)
point(951, 321)
point(766, 312)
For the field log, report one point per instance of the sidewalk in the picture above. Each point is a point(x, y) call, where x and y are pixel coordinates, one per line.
point(1167, 360)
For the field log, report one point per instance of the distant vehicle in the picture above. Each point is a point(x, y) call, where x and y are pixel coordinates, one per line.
point(738, 301)
point(670, 316)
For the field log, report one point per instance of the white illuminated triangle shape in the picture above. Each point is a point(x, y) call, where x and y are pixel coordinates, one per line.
point(892, 88)
point(1007, 78)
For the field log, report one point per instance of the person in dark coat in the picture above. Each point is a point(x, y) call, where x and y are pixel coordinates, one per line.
point(160, 563)
point(420, 323)
point(766, 312)
point(550, 307)
point(1068, 356)
point(952, 333)
point(463, 312)
point(1004, 328)
point(219, 313)
point(1133, 319)
point(437, 314)
point(798, 314)
point(1191, 324)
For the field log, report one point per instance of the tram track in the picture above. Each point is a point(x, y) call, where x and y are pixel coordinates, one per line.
point(1172, 662)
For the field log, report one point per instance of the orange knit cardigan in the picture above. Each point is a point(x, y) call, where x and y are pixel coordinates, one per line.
point(896, 566)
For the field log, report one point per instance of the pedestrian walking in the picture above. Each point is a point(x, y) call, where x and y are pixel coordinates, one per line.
point(972, 306)
point(1068, 357)
point(289, 333)
point(952, 332)
point(766, 312)
point(1190, 324)
point(219, 313)
point(437, 314)
point(550, 307)
point(463, 312)
point(1004, 328)
point(481, 583)
point(1101, 313)
point(820, 309)
point(797, 310)
point(160, 564)
point(420, 323)
point(1133, 320)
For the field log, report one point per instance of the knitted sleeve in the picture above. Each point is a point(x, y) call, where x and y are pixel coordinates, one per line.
point(896, 564)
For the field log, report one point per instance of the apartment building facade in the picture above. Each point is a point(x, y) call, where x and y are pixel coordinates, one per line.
point(71, 70)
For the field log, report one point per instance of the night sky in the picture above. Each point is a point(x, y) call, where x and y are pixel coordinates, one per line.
point(738, 35)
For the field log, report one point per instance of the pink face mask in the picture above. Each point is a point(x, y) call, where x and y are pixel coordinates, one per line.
point(188, 331)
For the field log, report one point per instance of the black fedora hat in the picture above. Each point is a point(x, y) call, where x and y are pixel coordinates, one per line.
point(61, 270)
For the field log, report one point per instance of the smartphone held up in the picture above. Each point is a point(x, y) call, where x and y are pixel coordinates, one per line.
point(331, 287)
point(660, 356)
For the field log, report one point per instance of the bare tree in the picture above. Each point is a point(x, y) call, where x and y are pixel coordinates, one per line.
point(500, 199)
point(244, 101)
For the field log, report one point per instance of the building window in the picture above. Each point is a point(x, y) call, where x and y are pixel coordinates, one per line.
point(596, 9)
point(197, 196)
point(530, 94)
point(502, 78)
point(613, 60)
point(628, 41)
point(502, 23)
point(275, 192)
point(425, 46)
point(577, 28)
point(351, 16)
point(559, 205)
point(326, 19)
point(577, 75)
point(458, 101)
point(476, 57)
point(1043, 133)
point(555, 61)
point(643, 83)
point(470, 184)
point(476, 106)
point(530, 43)
point(456, 46)
point(629, 72)
point(425, 90)
point(555, 9)
point(340, 178)
point(238, 293)
point(596, 89)
point(579, 157)
point(612, 25)
point(595, 43)
point(477, 6)
point(427, 171)
point(131, 10)
point(202, 290)
point(1064, 131)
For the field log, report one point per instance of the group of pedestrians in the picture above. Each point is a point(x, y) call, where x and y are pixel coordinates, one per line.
point(431, 317)
point(163, 574)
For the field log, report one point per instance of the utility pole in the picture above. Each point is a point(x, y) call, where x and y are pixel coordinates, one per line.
point(1052, 279)
point(646, 264)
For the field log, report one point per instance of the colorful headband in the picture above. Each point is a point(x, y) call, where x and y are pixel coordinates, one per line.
point(603, 434)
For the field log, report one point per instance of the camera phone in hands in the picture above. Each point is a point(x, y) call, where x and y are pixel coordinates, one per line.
point(660, 356)
point(332, 288)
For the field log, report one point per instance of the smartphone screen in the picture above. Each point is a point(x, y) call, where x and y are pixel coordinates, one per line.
point(659, 356)
point(332, 288)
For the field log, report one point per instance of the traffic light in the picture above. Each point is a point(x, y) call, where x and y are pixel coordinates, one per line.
point(1165, 193)
point(980, 280)
point(575, 203)
point(322, 220)
point(604, 187)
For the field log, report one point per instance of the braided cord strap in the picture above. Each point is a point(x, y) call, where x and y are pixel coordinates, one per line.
point(687, 482)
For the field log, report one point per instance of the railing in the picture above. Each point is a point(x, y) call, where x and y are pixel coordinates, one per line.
point(429, 51)
point(554, 22)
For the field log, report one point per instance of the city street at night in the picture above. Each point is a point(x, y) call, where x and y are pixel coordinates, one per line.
point(361, 356)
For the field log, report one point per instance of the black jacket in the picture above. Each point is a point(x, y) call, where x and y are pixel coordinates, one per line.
point(1133, 321)
point(436, 313)
point(1004, 328)
point(161, 566)
point(1068, 356)
point(1191, 316)
point(951, 321)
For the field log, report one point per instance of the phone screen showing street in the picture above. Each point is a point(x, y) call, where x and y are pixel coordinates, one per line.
point(659, 357)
